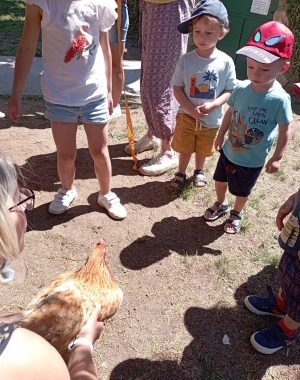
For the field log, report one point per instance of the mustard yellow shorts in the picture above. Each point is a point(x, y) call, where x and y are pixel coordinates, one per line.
point(187, 139)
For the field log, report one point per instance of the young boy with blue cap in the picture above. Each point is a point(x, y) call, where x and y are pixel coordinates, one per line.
point(202, 83)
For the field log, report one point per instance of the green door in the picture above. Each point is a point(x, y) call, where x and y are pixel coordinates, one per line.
point(242, 23)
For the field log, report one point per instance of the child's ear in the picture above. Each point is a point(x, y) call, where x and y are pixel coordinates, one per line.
point(222, 35)
point(285, 67)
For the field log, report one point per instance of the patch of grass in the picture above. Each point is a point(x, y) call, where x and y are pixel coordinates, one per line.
point(268, 255)
point(12, 14)
point(297, 166)
point(186, 191)
point(222, 264)
point(281, 174)
point(245, 224)
point(209, 373)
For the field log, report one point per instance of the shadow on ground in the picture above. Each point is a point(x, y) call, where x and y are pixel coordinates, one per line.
point(206, 358)
point(189, 237)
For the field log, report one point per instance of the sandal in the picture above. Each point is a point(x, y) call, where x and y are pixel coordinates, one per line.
point(199, 177)
point(234, 223)
point(215, 214)
point(178, 182)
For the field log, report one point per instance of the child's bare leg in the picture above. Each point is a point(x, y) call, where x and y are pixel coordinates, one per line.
point(238, 206)
point(221, 189)
point(97, 135)
point(64, 135)
point(184, 160)
point(199, 165)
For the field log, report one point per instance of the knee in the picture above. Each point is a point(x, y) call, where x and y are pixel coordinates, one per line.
point(100, 153)
point(66, 157)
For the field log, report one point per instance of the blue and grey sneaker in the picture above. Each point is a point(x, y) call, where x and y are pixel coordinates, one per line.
point(264, 305)
point(270, 340)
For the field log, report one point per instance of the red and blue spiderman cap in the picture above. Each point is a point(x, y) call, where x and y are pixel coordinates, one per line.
point(269, 42)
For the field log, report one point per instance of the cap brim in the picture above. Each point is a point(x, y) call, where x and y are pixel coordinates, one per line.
point(184, 26)
point(258, 54)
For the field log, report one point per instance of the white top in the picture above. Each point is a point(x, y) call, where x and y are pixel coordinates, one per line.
point(204, 79)
point(74, 69)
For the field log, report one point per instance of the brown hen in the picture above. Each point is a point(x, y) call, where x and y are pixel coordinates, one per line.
point(61, 309)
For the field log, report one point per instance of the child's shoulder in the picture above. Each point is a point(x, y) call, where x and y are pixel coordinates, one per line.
point(225, 57)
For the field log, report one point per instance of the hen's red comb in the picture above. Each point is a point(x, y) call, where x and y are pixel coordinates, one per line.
point(101, 242)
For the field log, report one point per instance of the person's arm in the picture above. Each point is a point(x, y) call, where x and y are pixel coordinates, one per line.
point(273, 163)
point(14, 318)
point(284, 210)
point(186, 104)
point(104, 42)
point(80, 364)
point(208, 107)
point(24, 58)
point(224, 128)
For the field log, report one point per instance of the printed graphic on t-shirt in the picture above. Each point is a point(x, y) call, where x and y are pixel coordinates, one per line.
point(241, 133)
point(82, 45)
point(206, 89)
point(290, 232)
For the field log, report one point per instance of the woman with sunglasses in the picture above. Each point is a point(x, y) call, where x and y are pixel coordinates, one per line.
point(24, 354)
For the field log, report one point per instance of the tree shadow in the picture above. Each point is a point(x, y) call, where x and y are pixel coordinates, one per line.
point(190, 237)
point(206, 357)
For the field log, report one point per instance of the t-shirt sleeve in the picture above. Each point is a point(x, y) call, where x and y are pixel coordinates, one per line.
point(177, 78)
point(231, 81)
point(107, 15)
point(44, 6)
point(284, 113)
point(231, 100)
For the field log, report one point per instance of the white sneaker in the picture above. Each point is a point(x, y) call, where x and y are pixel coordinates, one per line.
point(160, 164)
point(143, 144)
point(112, 204)
point(2, 114)
point(116, 112)
point(62, 201)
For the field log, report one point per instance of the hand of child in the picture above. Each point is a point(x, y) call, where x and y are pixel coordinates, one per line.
point(110, 103)
point(14, 107)
point(92, 329)
point(272, 166)
point(219, 142)
point(197, 114)
point(284, 210)
point(206, 108)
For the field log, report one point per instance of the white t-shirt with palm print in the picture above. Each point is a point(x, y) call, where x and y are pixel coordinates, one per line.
point(205, 79)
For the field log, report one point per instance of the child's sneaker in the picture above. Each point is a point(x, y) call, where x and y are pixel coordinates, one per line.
point(62, 201)
point(271, 339)
point(143, 144)
point(160, 164)
point(264, 305)
point(112, 204)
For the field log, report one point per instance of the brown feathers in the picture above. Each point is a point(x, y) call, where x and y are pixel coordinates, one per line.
point(61, 309)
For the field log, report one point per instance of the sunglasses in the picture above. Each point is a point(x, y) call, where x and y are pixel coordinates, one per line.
point(26, 199)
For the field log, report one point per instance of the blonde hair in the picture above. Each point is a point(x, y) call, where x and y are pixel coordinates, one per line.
point(9, 246)
point(208, 19)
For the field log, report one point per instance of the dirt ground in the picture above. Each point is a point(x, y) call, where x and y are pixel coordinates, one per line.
point(184, 280)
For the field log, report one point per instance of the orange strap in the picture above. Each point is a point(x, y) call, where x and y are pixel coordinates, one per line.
point(128, 116)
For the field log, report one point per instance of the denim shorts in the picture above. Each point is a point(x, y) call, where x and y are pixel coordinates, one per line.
point(240, 179)
point(92, 113)
point(113, 32)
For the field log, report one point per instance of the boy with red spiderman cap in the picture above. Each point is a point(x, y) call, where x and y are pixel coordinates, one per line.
point(286, 305)
point(256, 107)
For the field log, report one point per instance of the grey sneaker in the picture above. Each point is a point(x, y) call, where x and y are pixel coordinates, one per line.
point(62, 201)
point(143, 144)
point(112, 204)
point(160, 164)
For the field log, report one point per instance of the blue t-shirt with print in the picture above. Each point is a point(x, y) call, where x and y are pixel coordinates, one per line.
point(254, 123)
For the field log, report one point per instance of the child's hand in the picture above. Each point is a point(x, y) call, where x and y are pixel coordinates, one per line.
point(197, 114)
point(272, 166)
point(110, 103)
point(14, 107)
point(207, 108)
point(284, 210)
point(219, 142)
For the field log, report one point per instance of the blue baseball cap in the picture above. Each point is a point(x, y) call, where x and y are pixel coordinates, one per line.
point(205, 7)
